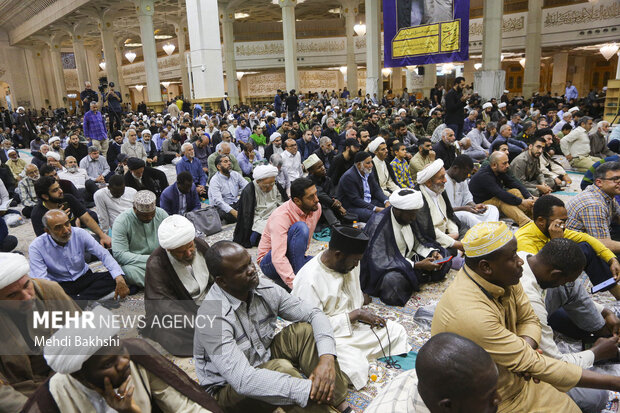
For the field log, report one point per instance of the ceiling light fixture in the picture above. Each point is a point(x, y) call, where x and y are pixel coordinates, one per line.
point(522, 62)
point(241, 15)
point(335, 10)
point(343, 70)
point(609, 50)
point(386, 71)
point(165, 84)
point(139, 87)
point(162, 37)
point(133, 44)
point(102, 65)
point(477, 66)
point(240, 75)
point(131, 56)
point(169, 48)
point(360, 29)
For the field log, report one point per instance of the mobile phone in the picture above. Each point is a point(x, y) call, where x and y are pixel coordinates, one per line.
point(64, 205)
point(443, 260)
point(603, 285)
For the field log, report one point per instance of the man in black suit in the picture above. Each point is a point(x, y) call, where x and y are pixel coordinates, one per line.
point(224, 104)
point(359, 191)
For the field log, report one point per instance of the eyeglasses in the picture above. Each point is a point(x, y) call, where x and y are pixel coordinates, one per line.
point(615, 179)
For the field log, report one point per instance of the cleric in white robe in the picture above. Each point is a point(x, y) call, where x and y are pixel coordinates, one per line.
point(330, 281)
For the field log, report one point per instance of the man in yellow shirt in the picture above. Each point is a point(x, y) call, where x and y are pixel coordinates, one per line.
point(486, 304)
point(549, 222)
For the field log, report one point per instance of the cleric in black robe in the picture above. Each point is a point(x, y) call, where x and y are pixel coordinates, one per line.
point(256, 202)
point(400, 254)
point(140, 177)
point(169, 293)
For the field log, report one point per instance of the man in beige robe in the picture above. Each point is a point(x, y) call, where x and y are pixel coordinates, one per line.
point(330, 282)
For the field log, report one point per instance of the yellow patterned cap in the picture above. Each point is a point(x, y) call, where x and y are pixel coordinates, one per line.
point(486, 237)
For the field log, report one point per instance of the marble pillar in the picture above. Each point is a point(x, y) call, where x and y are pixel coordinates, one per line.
point(145, 10)
point(181, 29)
point(35, 77)
point(531, 78)
point(290, 44)
point(489, 82)
point(560, 68)
point(207, 79)
point(429, 79)
point(350, 11)
point(582, 68)
point(58, 74)
point(228, 18)
point(374, 78)
point(468, 71)
point(81, 63)
point(121, 86)
point(397, 80)
point(106, 28)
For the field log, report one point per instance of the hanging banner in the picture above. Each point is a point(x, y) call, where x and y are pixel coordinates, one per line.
point(419, 32)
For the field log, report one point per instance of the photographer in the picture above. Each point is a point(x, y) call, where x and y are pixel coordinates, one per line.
point(88, 95)
point(115, 110)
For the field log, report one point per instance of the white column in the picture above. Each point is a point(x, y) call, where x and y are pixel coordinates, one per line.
point(373, 49)
point(489, 82)
point(35, 77)
point(92, 57)
point(181, 28)
point(146, 9)
point(429, 79)
point(206, 51)
point(560, 67)
point(228, 18)
point(109, 54)
point(618, 67)
point(397, 80)
point(120, 86)
point(350, 11)
point(58, 73)
point(80, 59)
point(290, 44)
point(531, 78)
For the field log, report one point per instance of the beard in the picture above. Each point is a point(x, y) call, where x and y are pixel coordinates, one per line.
point(72, 169)
point(437, 188)
point(425, 152)
point(367, 171)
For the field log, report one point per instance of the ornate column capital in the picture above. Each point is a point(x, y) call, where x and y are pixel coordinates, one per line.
point(287, 3)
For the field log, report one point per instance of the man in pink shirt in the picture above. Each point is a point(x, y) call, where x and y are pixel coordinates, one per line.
point(282, 248)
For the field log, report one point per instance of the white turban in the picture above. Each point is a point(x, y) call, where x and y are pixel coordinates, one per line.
point(401, 110)
point(67, 359)
point(573, 109)
point(54, 155)
point(502, 105)
point(506, 91)
point(251, 113)
point(175, 231)
point(311, 161)
point(10, 151)
point(430, 171)
point(53, 139)
point(264, 171)
point(274, 136)
point(487, 105)
point(20, 108)
point(375, 143)
point(12, 268)
point(146, 132)
point(407, 199)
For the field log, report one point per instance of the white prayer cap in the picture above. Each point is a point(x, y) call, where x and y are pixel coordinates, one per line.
point(407, 199)
point(502, 105)
point(375, 143)
point(158, 122)
point(53, 139)
point(311, 161)
point(175, 231)
point(145, 118)
point(231, 117)
point(12, 268)
point(274, 136)
point(67, 359)
point(146, 132)
point(487, 105)
point(20, 108)
point(174, 119)
point(328, 108)
point(430, 171)
point(52, 154)
point(573, 109)
point(145, 201)
point(506, 91)
point(264, 171)
point(11, 151)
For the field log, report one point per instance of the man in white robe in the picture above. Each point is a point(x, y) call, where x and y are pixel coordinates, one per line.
point(461, 198)
point(330, 281)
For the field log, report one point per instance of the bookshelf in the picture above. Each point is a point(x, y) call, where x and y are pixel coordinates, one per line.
point(612, 100)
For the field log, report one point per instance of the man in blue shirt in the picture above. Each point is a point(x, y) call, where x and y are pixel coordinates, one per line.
point(570, 92)
point(58, 255)
point(225, 188)
point(192, 165)
point(94, 128)
point(242, 133)
point(95, 166)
